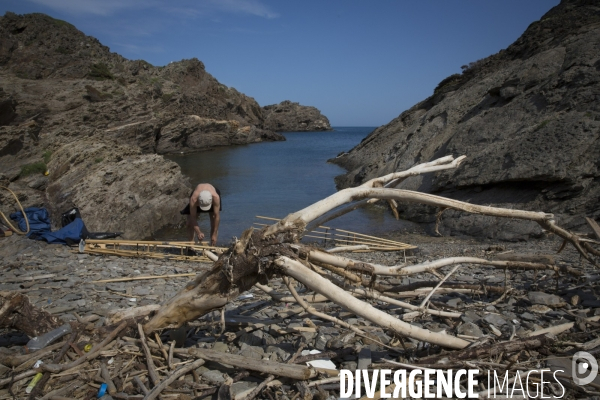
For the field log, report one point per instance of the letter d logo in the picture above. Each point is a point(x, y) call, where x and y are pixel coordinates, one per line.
point(579, 370)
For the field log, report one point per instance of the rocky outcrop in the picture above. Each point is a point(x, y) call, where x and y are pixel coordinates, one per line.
point(292, 117)
point(196, 133)
point(116, 187)
point(528, 119)
point(62, 91)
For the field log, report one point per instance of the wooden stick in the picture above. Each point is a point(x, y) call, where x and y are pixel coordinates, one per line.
point(112, 389)
point(16, 360)
point(95, 352)
point(259, 388)
point(457, 285)
point(211, 256)
point(424, 302)
point(176, 374)
point(141, 278)
point(386, 246)
point(151, 368)
point(29, 278)
point(431, 265)
point(316, 237)
point(149, 242)
point(290, 371)
point(142, 254)
point(63, 390)
point(141, 385)
point(554, 330)
point(377, 296)
point(594, 226)
point(162, 350)
point(347, 248)
point(489, 351)
point(378, 239)
point(170, 358)
point(19, 377)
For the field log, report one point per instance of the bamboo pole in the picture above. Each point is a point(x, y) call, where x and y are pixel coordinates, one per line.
point(367, 237)
point(374, 245)
point(141, 278)
point(203, 245)
point(148, 255)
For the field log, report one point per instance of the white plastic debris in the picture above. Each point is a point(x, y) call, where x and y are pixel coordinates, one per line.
point(324, 363)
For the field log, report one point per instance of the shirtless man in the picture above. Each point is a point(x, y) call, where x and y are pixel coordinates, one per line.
point(204, 198)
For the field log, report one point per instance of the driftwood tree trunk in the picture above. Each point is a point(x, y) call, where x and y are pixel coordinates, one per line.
point(16, 312)
point(258, 255)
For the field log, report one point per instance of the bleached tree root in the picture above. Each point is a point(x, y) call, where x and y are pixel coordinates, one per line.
point(300, 219)
point(315, 282)
point(326, 317)
point(403, 270)
point(274, 250)
point(232, 274)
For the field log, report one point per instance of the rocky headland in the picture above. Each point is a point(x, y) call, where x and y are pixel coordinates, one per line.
point(528, 120)
point(293, 117)
point(98, 124)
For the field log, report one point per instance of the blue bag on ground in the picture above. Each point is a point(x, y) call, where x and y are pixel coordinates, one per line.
point(39, 221)
point(41, 229)
point(69, 234)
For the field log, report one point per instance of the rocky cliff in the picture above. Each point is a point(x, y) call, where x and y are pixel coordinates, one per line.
point(96, 121)
point(292, 117)
point(528, 119)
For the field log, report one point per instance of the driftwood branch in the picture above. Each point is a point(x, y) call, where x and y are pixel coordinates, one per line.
point(270, 367)
point(95, 352)
point(258, 255)
point(339, 296)
point(155, 392)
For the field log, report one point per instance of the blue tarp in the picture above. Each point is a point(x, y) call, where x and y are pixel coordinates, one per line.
point(39, 221)
point(69, 233)
point(40, 229)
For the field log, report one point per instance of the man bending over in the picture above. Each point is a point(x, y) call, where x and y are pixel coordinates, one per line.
point(205, 198)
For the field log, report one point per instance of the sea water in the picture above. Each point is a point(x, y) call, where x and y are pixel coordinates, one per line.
point(274, 179)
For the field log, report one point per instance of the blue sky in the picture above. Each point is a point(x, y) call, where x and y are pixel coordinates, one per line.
point(360, 62)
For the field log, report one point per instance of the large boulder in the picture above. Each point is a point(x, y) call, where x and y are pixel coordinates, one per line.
point(527, 118)
point(116, 188)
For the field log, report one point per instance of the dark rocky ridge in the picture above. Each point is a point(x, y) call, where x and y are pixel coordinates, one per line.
point(528, 119)
point(99, 120)
point(292, 117)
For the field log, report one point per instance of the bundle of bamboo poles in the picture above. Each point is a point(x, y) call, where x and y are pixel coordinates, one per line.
point(344, 238)
point(150, 249)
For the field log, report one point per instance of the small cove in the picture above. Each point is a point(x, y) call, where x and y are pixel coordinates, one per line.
point(274, 179)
